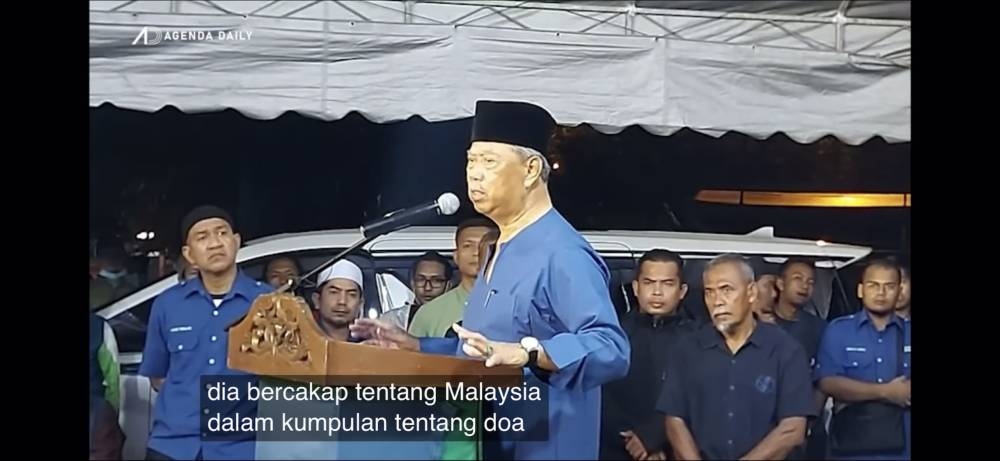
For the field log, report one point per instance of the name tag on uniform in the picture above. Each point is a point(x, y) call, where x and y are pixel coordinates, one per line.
point(856, 349)
point(179, 329)
point(906, 348)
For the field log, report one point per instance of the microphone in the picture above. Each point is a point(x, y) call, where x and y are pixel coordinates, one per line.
point(447, 204)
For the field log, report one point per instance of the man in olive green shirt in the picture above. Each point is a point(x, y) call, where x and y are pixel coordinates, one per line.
point(435, 318)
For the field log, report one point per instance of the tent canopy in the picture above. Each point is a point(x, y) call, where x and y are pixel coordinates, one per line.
point(806, 69)
point(862, 9)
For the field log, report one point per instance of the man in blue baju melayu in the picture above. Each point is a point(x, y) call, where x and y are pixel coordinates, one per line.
point(541, 301)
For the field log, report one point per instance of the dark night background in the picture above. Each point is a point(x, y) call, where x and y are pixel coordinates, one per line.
point(296, 174)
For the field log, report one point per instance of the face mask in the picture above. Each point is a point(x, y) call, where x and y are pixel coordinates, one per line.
point(112, 275)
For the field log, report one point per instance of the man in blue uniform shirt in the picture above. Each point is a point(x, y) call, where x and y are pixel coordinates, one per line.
point(864, 364)
point(542, 300)
point(187, 338)
point(737, 388)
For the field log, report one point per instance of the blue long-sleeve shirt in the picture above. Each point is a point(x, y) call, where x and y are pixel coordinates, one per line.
point(549, 283)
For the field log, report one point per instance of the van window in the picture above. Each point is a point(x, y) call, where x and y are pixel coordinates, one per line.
point(845, 300)
point(392, 292)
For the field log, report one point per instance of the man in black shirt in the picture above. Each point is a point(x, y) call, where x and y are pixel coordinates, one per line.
point(795, 283)
point(631, 427)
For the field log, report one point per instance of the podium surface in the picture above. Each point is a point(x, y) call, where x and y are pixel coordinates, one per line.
point(279, 337)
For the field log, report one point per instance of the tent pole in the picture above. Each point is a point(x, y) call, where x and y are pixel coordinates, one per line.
point(408, 12)
point(838, 22)
point(630, 18)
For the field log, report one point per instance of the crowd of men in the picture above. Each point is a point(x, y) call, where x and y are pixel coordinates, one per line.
point(748, 381)
point(753, 383)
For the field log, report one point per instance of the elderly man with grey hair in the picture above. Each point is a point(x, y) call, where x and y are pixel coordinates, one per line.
point(751, 396)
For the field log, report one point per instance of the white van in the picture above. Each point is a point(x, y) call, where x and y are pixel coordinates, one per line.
point(386, 262)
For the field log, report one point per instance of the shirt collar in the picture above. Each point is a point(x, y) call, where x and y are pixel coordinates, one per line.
point(709, 337)
point(862, 319)
point(648, 320)
point(243, 286)
point(532, 232)
point(535, 229)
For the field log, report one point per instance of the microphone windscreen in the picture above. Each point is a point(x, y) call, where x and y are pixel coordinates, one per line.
point(448, 203)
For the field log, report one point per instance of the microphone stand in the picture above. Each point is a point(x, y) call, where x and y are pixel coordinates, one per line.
point(296, 283)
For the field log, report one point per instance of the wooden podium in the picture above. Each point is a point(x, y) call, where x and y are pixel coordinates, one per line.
point(280, 338)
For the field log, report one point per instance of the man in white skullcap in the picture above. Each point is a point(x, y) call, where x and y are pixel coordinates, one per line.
point(338, 299)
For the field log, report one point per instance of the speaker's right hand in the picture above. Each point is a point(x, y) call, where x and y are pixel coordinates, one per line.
point(383, 334)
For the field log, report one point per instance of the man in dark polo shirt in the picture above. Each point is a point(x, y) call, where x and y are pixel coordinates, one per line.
point(795, 283)
point(187, 338)
point(737, 388)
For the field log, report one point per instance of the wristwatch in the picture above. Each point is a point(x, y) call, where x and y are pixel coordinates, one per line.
point(531, 346)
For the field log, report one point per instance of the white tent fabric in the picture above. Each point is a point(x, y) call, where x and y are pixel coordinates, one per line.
point(708, 72)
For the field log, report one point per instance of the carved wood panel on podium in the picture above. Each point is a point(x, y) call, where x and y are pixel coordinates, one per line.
point(279, 337)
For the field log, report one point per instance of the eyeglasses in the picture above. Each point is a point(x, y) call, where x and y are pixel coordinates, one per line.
point(435, 282)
